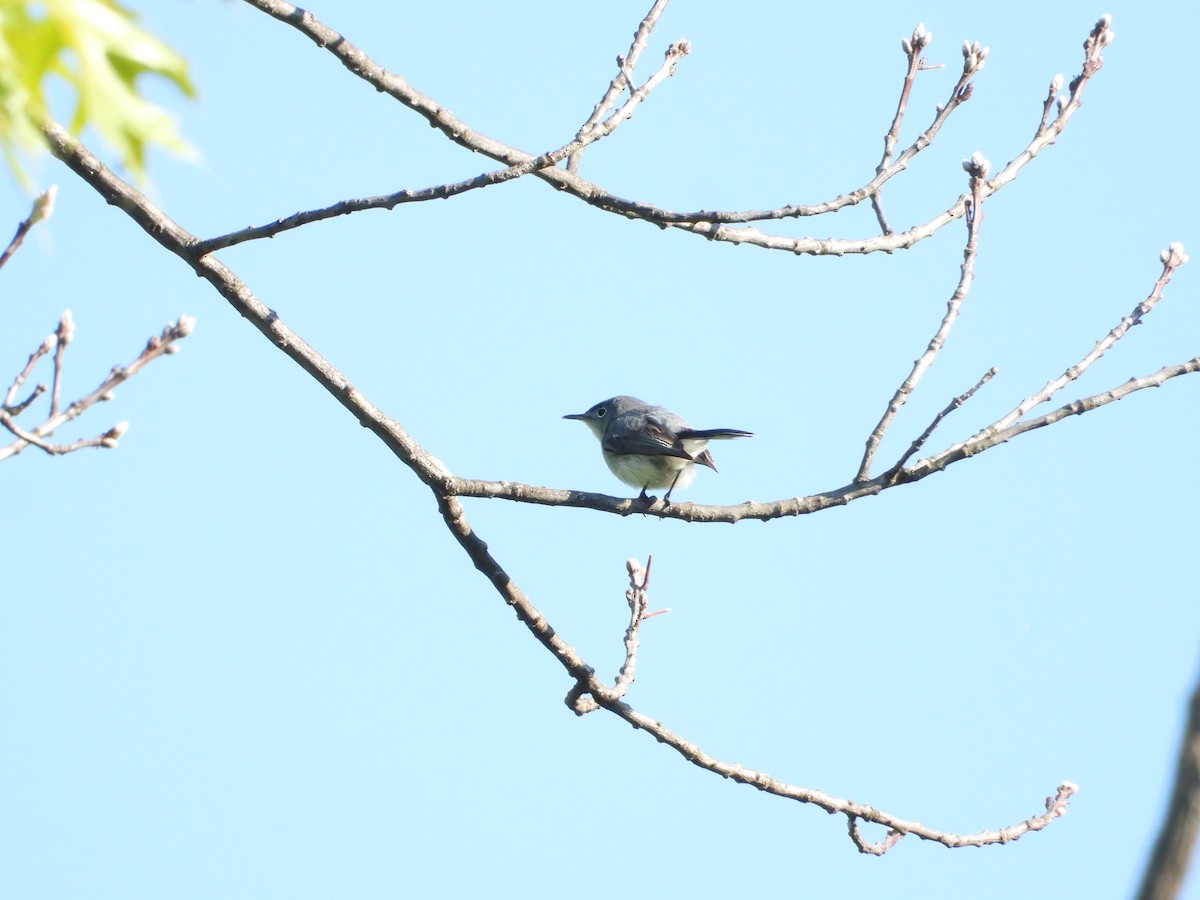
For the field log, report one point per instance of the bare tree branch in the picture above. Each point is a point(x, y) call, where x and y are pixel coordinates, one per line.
point(1075, 408)
point(925, 360)
point(578, 699)
point(587, 691)
point(161, 345)
point(444, 191)
point(997, 433)
point(445, 486)
point(63, 335)
point(10, 404)
point(623, 80)
point(709, 224)
point(1172, 258)
point(954, 404)
point(43, 208)
point(108, 440)
point(1056, 806)
point(916, 63)
point(1176, 842)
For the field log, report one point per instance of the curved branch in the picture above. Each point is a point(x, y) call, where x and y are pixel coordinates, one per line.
point(707, 223)
point(1055, 806)
point(1168, 863)
point(444, 191)
point(445, 486)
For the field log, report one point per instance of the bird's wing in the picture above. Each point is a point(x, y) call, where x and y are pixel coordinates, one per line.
point(713, 434)
point(648, 438)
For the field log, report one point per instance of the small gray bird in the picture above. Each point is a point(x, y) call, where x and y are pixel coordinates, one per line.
point(648, 446)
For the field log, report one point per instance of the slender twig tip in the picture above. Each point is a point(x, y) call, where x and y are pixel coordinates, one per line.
point(43, 206)
point(1173, 255)
point(973, 55)
point(113, 436)
point(920, 39)
point(977, 166)
point(66, 328)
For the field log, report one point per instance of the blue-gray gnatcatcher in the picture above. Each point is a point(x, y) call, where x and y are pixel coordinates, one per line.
point(648, 446)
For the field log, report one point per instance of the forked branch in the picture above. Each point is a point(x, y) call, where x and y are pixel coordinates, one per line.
point(36, 435)
point(446, 487)
point(977, 168)
point(588, 691)
point(55, 344)
point(713, 225)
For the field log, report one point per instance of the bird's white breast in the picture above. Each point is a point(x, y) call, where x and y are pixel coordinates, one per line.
point(641, 471)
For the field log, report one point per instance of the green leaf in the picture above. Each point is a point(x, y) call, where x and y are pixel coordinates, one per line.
point(98, 48)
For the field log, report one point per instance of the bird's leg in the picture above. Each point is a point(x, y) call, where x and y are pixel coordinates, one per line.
point(667, 498)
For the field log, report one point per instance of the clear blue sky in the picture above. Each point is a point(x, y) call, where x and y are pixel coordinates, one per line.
point(240, 656)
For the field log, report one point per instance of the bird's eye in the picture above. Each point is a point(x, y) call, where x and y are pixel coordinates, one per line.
point(600, 412)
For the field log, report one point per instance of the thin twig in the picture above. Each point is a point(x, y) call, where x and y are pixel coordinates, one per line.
point(1055, 806)
point(954, 404)
point(985, 441)
point(387, 201)
point(444, 191)
point(953, 305)
point(1048, 104)
point(639, 581)
point(622, 80)
point(912, 50)
point(874, 849)
point(913, 47)
point(43, 208)
point(1172, 258)
point(47, 345)
point(578, 699)
point(160, 345)
point(17, 408)
point(107, 440)
point(62, 337)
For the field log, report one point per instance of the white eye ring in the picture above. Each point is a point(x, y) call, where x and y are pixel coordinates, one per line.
point(600, 412)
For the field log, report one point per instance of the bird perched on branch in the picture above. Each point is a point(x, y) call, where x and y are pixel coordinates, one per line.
point(650, 447)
